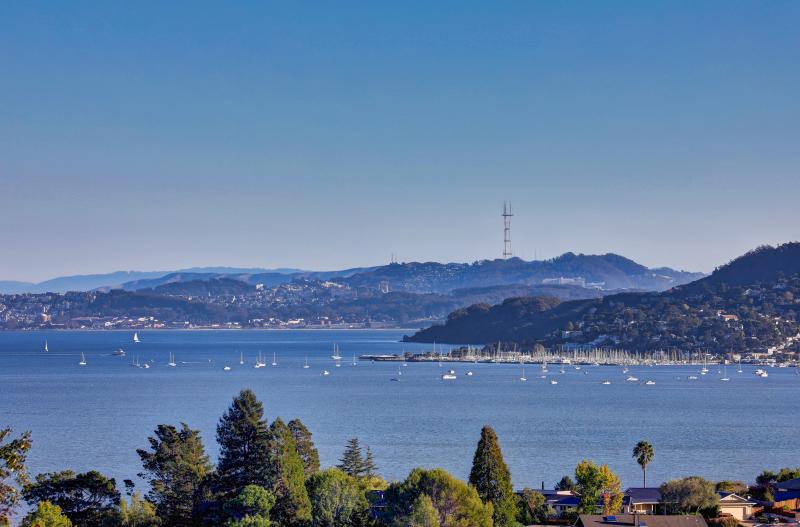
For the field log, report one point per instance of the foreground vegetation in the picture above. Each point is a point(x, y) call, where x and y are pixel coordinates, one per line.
point(269, 474)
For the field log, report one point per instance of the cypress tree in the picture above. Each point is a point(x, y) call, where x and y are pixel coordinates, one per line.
point(305, 447)
point(352, 461)
point(286, 478)
point(491, 478)
point(243, 440)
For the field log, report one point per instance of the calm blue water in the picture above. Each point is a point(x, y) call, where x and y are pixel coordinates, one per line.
point(94, 417)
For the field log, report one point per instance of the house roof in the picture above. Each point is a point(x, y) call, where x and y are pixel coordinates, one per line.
point(787, 495)
point(729, 498)
point(634, 495)
point(595, 520)
point(792, 484)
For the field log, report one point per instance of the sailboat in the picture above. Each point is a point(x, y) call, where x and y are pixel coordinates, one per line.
point(305, 365)
point(354, 359)
point(523, 378)
point(725, 378)
point(83, 360)
point(171, 362)
point(45, 346)
point(136, 337)
point(740, 366)
point(260, 361)
point(274, 359)
point(704, 369)
point(241, 358)
point(336, 355)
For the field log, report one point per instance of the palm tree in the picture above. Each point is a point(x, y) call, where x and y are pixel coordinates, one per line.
point(643, 452)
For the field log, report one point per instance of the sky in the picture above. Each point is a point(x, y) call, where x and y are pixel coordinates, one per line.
point(162, 135)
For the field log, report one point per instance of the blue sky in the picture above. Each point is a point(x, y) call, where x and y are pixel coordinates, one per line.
point(155, 135)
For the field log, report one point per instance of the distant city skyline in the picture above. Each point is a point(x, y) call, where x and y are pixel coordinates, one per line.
point(157, 137)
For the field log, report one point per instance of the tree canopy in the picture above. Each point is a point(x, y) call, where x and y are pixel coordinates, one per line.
point(492, 479)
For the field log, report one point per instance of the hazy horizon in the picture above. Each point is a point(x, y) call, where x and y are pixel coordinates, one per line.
point(148, 136)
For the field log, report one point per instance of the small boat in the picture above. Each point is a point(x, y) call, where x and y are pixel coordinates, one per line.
point(305, 364)
point(136, 337)
point(449, 376)
point(83, 360)
point(394, 379)
point(226, 368)
point(241, 358)
point(632, 378)
point(523, 378)
point(118, 353)
point(650, 382)
point(336, 355)
point(606, 382)
point(399, 372)
point(725, 378)
point(577, 367)
point(171, 362)
point(45, 346)
point(274, 359)
point(354, 360)
point(553, 381)
point(260, 361)
point(739, 370)
point(469, 374)
point(146, 366)
point(692, 377)
point(325, 372)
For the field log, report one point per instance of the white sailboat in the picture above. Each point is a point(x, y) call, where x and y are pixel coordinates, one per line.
point(45, 346)
point(523, 378)
point(83, 360)
point(241, 358)
point(725, 378)
point(274, 359)
point(171, 362)
point(305, 364)
point(449, 376)
point(740, 366)
point(354, 359)
point(136, 337)
point(336, 355)
point(260, 361)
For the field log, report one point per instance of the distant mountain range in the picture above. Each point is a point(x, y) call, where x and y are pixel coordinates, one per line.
point(751, 303)
point(604, 272)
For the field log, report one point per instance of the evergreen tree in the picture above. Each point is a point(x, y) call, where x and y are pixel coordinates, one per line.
point(88, 500)
point(243, 440)
point(337, 500)
point(369, 468)
point(352, 461)
point(491, 478)
point(305, 447)
point(175, 467)
point(251, 508)
point(46, 515)
point(565, 483)
point(286, 478)
point(138, 513)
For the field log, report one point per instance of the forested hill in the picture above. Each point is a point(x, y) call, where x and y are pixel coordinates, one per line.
point(750, 303)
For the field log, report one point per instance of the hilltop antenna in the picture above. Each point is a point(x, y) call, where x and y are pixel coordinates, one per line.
point(507, 230)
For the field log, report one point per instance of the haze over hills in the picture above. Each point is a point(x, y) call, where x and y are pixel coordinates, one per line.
point(750, 303)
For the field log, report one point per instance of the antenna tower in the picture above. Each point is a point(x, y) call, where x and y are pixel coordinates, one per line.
point(507, 230)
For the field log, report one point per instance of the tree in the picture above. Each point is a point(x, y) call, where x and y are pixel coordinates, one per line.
point(532, 508)
point(175, 467)
point(595, 483)
point(13, 475)
point(286, 478)
point(457, 504)
point(423, 514)
point(352, 461)
point(243, 440)
point(736, 487)
point(46, 515)
point(692, 495)
point(643, 452)
point(336, 499)
point(369, 468)
point(88, 500)
point(305, 447)
point(491, 478)
point(565, 483)
point(251, 508)
point(138, 513)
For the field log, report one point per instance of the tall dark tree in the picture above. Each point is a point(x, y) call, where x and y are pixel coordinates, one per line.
point(565, 483)
point(286, 478)
point(352, 461)
point(243, 439)
point(643, 452)
point(369, 468)
point(88, 500)
point(175, 466)
point(12, 471)
point(491, 478)
point(305, 447)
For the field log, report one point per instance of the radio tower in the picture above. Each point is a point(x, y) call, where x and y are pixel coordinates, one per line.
point(507, 230)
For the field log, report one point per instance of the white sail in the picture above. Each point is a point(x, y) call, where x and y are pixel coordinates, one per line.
point(136, 337)
point(83, 360)
point(45, 346)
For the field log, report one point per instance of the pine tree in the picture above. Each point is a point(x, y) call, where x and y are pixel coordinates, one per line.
point(174, 467)
point(491, 478)
point(305, 447)
point(243, 440)
point(352, 461)
point(369, 468)
point(286, 478)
